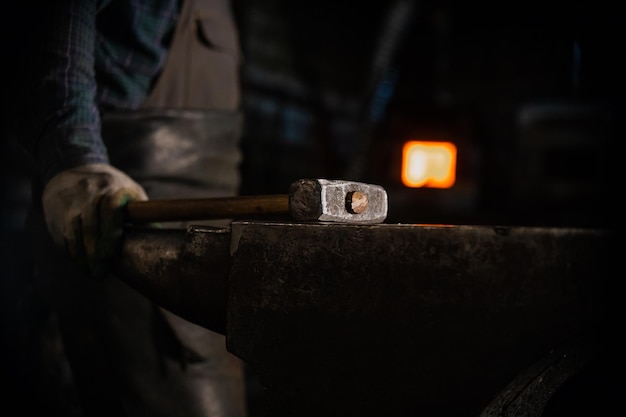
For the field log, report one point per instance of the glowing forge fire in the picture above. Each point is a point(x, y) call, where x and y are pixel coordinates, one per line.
point(428, 164)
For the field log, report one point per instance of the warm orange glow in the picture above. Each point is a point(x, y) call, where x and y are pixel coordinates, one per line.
point(428, 164)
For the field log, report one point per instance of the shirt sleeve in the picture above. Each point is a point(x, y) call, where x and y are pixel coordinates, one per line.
point(63, 123)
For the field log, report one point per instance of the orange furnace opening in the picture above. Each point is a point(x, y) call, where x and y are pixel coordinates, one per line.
point(428, 164)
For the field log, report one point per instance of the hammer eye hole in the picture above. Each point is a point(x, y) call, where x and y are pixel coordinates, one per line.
point(356, 202)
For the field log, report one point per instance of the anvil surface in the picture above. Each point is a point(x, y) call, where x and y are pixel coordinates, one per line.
point(398, 319)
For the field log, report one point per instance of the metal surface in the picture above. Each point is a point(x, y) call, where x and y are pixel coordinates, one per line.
point(405, 320)
point(333, 201)
point(184, 270)
point(397, 320)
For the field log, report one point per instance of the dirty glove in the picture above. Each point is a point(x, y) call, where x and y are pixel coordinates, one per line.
point(83, 211)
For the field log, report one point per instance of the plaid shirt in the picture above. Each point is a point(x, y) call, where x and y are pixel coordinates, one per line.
point(93, 55)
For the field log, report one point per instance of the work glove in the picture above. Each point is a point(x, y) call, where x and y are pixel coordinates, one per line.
point(83, 209)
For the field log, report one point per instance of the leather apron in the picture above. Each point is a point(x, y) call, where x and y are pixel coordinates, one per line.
point(184, 141)
point(128, 356)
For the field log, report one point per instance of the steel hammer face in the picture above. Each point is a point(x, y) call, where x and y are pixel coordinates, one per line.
point(337, 201)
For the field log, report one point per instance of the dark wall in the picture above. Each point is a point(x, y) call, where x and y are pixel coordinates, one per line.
point(530, 93)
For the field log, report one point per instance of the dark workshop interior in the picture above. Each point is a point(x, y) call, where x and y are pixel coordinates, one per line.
point(531, 94)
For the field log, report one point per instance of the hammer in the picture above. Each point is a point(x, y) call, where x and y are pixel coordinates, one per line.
point(309, 200)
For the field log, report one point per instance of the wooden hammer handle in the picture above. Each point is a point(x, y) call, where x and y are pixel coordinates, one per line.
point(206, 208)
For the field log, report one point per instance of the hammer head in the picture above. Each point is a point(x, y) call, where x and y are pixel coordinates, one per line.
point(337, 201)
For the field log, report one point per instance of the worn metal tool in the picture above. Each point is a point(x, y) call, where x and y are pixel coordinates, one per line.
point(308, 200)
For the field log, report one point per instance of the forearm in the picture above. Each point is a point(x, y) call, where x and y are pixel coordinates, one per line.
point(63, 128)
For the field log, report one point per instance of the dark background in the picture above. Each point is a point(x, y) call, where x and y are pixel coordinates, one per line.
point(530, 92)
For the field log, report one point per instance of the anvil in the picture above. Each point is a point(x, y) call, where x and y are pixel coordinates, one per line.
point(388, 319)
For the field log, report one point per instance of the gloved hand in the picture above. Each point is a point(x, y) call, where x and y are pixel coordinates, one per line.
point(83, 211)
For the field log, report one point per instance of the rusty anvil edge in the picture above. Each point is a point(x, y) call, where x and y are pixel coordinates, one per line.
point(187, 270)
point(182, 270)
